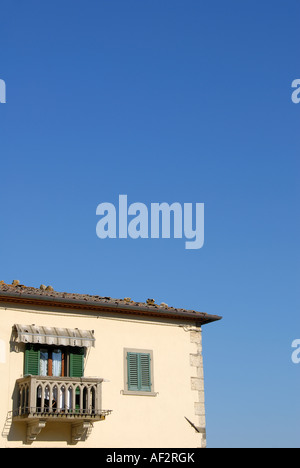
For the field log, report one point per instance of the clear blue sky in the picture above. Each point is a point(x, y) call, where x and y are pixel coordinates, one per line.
point(165, 101)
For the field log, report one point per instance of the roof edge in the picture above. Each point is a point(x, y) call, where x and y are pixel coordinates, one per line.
point(101, 306)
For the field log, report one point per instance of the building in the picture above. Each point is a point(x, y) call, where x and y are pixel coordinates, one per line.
point(90, 371)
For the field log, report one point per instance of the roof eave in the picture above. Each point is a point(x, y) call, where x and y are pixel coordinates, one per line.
point(151, 311)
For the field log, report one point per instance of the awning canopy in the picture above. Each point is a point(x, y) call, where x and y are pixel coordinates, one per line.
point(55, 336)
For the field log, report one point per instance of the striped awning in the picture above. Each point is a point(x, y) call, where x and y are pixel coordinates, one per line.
point(55, 336)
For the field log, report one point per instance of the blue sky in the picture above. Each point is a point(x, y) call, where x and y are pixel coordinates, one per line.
point(182, 101)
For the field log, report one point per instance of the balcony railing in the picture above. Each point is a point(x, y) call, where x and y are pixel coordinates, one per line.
point(53, 397)
point(77, 400)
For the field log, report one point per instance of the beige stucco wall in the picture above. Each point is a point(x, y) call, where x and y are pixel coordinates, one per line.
point(136, 421)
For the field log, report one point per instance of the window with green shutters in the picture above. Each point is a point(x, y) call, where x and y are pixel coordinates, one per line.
point(53, 361)
point(139, 377)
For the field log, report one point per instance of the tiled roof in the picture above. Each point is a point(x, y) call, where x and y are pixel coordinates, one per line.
point(45, 295)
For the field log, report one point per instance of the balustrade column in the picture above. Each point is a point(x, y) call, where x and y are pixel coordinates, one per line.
point(32, 394)
point(98, 398)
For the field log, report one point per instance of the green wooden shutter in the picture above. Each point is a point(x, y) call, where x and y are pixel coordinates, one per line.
point(32, 360)
point(139, 372)
point(77, 362)
point(132, 371)
point(145, 372)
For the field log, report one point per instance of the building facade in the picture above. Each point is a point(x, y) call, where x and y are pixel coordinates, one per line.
point(90, 371)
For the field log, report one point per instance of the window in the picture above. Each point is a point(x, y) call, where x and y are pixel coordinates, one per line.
point(65, 361)
point(138, 372)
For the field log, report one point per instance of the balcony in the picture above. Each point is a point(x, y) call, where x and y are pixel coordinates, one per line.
point(72, 400)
